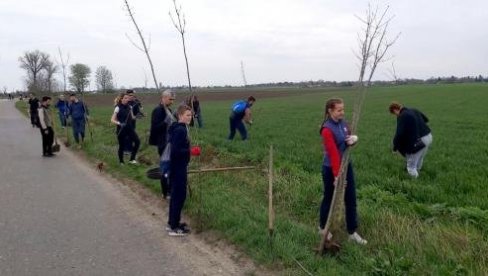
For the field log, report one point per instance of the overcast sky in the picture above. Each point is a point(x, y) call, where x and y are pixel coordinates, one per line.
point(278, 40)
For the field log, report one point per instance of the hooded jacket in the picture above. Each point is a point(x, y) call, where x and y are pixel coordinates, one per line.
point(180, 146)
point(411, 125)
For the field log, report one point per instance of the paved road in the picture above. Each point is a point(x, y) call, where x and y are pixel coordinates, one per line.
point(59, 217)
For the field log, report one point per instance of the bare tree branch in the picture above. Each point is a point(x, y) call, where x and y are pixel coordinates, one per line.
point(133, 43)
point(64, 64)
point(373, 43)
point(146, 51)
point(180, 26)
point(34, 62)
point(373, 46)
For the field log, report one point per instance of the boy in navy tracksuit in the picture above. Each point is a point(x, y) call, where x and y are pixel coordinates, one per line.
point(180, 157)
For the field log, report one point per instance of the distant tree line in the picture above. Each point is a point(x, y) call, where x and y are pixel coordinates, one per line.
point(41, 69)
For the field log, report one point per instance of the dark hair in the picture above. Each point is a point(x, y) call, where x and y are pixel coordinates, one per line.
point(45, 98)
point(72, 95)
point(395, 106)
point(251, 99)
point(330, 104)
point(129, 91)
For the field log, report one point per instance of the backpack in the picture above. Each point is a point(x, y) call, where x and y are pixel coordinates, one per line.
point(239, 106)
point(164, 162)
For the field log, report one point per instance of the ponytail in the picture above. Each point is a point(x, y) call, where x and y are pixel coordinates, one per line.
point(330, 104)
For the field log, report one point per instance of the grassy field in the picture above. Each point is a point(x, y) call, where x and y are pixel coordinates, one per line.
point(434, 225)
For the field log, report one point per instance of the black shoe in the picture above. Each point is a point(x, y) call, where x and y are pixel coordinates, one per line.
point(185, 227)
point(178, 232)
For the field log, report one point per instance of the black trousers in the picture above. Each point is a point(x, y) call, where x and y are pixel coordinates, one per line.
point(165, 185)
point(178, 179)
point(127, 133)
point(34, 118)
point(47, 141)
point(349, 198)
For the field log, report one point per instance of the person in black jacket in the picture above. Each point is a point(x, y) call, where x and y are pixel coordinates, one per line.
point(193, 102)
point(161, 119)
point(180, 157)
point(412, 138)
point(34, 104)
point(123, 118)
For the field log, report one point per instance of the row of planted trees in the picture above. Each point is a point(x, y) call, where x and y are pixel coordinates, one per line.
point(41, 73)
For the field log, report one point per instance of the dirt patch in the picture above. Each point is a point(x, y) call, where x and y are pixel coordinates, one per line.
point(207, 250)
point(213, 95)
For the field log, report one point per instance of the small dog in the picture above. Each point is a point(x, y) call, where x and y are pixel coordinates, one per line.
point(100, 167)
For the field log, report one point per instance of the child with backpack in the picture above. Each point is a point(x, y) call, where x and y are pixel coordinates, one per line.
point(241, 111)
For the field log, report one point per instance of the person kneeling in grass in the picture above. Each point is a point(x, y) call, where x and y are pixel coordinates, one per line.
point(178, 175)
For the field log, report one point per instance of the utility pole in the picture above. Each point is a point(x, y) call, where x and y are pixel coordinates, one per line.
point(243, 74)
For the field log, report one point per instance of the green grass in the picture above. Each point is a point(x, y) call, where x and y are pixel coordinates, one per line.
point(434, 225)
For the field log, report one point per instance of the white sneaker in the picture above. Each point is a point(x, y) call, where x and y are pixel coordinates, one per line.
point(133, 162)
point(413, 172)
point(329, 235)
point(358, 239)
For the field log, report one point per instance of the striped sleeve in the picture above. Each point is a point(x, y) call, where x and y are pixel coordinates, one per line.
point(331, 150)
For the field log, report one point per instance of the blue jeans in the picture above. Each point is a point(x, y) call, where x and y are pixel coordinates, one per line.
point(62, 119)
point(78, 129)
point(239, 125)
point(349, 198)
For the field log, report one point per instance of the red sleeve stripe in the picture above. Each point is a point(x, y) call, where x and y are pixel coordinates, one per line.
point(331, 150)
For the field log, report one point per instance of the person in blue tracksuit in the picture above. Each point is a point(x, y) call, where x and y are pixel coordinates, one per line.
point(62, 106)
point(241, 111)
point(179, 158)
point(336, 137)
point(79, 114)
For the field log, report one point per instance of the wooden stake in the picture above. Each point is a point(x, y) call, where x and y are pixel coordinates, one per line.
point(270, 193)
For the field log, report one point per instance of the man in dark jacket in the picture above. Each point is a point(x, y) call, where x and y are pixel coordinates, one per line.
point(33, 106)
point(79, 114)
point(161, 120)
point(412, 138)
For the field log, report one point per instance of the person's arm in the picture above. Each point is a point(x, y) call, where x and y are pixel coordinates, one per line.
point(114, 117)
point(248, 116)
point(426, 120)
point(400, 131)
point(158, 117)
point(178, 143)
point(85, 108)
point(331, 151)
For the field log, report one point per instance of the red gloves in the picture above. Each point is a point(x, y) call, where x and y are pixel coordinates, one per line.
point(195, 151)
